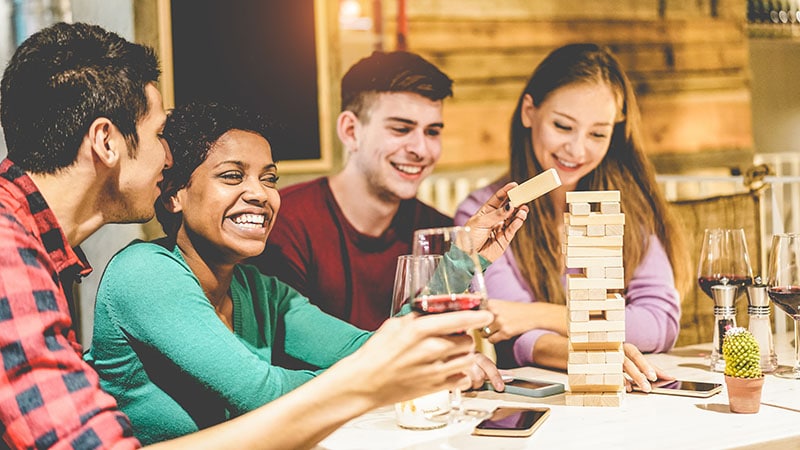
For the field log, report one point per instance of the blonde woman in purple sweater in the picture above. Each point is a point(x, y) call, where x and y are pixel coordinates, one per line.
point(578, 114)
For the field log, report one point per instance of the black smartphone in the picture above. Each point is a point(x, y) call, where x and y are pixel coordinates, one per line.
point(513, 422)
point(531, 387)
point(683, 387)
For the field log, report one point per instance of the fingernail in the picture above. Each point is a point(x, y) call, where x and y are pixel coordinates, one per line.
point(507, 207)
point(651, 375)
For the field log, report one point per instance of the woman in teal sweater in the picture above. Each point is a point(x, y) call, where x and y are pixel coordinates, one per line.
point(183, 334)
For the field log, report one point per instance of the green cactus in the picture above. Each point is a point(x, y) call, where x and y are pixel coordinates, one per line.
point(741, 353)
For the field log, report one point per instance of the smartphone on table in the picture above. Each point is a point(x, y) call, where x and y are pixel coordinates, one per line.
point(512, 422)
point(687, 388)
point(530, 387)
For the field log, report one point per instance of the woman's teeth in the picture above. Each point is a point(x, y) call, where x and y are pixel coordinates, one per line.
point(567, 163)
point(250, 220)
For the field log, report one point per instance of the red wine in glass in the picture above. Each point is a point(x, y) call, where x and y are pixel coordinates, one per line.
point(736, 280)
point(786, 298)
point(436, 304)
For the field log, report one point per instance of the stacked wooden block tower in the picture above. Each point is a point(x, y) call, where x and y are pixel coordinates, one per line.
point(594, 227)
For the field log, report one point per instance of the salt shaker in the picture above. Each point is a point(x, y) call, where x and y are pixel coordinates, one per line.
point(759, 325)
point(724, 296)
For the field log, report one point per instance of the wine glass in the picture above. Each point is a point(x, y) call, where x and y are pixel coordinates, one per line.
point(724, 260)
point(784, 288)
point(456, 284)
point(425, 412)
point(402, 293)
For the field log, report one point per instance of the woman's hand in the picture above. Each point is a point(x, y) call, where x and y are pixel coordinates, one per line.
point(495, 224)
point(514, 318)
point(640, 370)
point(486, 370)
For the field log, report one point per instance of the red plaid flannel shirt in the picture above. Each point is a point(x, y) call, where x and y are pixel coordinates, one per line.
point(49, 397)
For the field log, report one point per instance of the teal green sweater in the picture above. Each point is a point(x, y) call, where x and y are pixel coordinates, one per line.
point(174, 367)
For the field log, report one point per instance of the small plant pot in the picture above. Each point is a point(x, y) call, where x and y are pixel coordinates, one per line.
point(744, 394)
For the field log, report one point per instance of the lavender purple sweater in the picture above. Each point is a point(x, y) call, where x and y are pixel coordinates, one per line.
point(652, 310)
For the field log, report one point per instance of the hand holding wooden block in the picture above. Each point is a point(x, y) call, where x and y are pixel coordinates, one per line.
point(534, 188)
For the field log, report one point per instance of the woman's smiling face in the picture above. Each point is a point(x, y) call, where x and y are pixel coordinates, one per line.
point(231, 200)
point(571, 129)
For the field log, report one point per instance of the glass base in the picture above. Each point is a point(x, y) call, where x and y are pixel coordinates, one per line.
point(791, 373)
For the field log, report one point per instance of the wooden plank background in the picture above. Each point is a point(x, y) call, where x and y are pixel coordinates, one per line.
point(688, 60)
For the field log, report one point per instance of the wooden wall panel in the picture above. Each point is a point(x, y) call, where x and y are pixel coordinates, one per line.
point(688, 60)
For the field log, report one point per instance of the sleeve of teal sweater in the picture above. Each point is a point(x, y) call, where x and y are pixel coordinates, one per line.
point(156, 300)
point(312, 335)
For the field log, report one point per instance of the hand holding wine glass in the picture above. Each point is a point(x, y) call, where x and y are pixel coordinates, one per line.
point(784, 288)
point(456, 284)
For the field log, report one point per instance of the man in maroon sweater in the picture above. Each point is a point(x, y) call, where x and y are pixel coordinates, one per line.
point(338, 237)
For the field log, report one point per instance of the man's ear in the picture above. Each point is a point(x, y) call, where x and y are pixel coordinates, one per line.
point(105, 141)
point(527, 110)
point(347, 128)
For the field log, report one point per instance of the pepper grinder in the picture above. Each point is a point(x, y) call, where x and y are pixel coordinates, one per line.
point(759, 325)
point(724, 296)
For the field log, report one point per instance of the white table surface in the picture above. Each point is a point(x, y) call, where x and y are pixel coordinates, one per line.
point(642, 422)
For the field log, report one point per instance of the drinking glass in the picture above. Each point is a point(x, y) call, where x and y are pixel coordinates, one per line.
point(784, 288)
point(724, 260)
point(456, 284)
point(428, 411)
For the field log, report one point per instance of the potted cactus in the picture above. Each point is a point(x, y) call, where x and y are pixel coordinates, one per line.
point(743, 375)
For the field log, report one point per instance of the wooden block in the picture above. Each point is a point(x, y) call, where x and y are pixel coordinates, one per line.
point(614, 357)
point(593, 399)
point(614, 379)
point(594, 272)
point(594, 368)
point(615, 230)
point(595, 218)
point(571, 399)
point(577, 262)
point(598, 336)
point(580, 209)
point(594, 230)
point(595, 345)
point(597, 294)
point(580, 357)
point(578, 281)
point(615, 272)
point(582, 230)
point(594, 241)
point(578, 294)
point(614, 336)
point(610, 304)
point(597, 325)
point(534, 188)
point(611, 399)
point(578, 316)
point(615, 315)
point(579, 337)
point(592, 196)
point(576, 379)
point(594, 378)
point(596, 357)
point(609, 208)
point(593, 251)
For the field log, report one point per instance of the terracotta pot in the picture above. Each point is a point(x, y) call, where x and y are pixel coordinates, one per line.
point(744, 394)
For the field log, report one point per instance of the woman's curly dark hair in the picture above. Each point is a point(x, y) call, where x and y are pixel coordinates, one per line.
point(191, 131)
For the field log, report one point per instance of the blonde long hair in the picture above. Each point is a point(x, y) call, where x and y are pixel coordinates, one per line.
point(537, 246)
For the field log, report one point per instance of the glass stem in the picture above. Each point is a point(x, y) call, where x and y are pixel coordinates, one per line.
point(797, 344)
point(455, 404)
